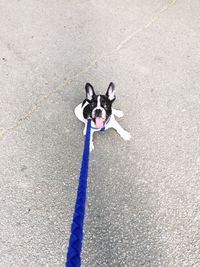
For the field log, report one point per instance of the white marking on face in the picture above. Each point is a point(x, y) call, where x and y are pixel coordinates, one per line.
point(98, 102)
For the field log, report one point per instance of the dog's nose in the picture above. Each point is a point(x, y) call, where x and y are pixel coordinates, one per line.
point(98, 112)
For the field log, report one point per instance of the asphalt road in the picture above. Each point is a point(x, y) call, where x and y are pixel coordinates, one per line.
point(143, 205)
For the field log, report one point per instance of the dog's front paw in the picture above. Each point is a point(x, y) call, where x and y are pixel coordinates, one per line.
point(91, 146)
point(126, 135)
point(119, 113)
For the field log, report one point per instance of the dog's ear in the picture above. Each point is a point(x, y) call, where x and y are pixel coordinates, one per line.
point(111, 92)
point(89, 91)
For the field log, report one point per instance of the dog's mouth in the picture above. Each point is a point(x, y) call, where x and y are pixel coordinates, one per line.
point(99, 122)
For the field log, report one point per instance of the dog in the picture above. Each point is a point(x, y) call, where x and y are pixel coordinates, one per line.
point(99, 109)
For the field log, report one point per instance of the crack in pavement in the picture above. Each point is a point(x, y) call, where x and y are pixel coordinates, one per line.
point(41, 99)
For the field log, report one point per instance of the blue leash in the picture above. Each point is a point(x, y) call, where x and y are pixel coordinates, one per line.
point(75, 241)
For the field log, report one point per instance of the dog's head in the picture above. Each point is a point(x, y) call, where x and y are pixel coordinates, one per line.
point(99, 107)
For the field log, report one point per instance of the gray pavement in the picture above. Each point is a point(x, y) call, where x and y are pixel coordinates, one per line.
point(144, 195)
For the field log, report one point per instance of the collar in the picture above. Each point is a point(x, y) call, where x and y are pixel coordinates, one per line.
point(102, 129)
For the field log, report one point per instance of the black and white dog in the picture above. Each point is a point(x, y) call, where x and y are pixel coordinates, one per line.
point(99, 109)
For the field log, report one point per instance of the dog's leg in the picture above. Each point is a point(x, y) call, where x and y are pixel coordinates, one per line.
point(124, 134)
point(85, 129)
point(91, 140)
point(118, 113)
point(91, 137)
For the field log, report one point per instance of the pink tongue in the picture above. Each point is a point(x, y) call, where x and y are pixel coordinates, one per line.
point(99, 122)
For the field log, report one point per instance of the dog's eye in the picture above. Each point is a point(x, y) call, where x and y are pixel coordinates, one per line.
point(93, 104)
point(104, 104)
